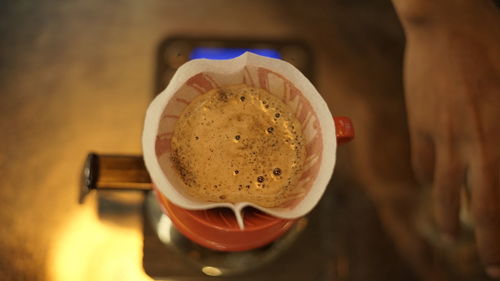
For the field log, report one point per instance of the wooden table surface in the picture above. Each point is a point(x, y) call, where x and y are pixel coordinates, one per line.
point(77, 76)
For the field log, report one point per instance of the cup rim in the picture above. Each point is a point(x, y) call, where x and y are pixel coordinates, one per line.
point(270, 222)
point(214, 237)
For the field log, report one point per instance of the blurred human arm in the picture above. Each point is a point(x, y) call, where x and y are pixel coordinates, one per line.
point(452, 89)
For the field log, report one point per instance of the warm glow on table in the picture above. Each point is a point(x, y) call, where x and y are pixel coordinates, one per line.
point(88, 249)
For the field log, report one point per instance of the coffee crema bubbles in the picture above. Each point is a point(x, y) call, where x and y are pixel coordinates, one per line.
point(239, 144)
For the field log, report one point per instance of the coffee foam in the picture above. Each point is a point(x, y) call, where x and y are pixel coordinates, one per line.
point(239, 144)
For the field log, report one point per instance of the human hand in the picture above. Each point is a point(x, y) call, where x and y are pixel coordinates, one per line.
point(452, 88)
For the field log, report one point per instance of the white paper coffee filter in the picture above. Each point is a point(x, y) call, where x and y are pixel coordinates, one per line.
point(280, 78)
